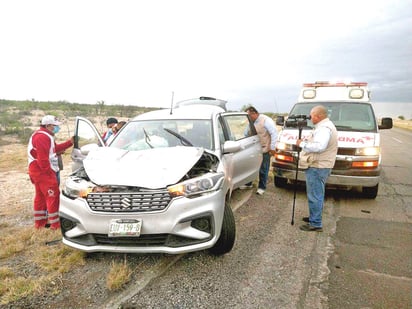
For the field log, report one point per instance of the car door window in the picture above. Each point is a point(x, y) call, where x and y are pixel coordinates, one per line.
point(238, 126)
point(86, 133)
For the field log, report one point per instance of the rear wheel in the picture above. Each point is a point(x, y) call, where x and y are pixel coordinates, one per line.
point(280, 182)
point(227, 234)
point(370, 192)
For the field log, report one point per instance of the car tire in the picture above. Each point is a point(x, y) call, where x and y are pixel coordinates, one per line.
point(280, 182)
point(370, 192)
point(227, 235)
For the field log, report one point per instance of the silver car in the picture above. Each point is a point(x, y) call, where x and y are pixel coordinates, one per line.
point(163, 184)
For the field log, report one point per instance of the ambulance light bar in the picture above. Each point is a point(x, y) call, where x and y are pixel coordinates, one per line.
point(335, 84)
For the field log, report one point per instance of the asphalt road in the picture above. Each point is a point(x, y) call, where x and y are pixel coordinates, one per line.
point(363, 259)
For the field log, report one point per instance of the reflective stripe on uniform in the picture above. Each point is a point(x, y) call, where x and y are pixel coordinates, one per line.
point(53, 214)
point(40, 212)
point(37, 218)
point(54, 220)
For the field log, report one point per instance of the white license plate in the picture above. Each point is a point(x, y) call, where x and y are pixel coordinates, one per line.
point(124, 228)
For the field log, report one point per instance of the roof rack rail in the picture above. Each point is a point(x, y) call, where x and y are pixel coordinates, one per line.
point(203, 100)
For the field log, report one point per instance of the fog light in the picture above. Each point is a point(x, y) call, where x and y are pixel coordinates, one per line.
point(66, 224)
point(202, 224)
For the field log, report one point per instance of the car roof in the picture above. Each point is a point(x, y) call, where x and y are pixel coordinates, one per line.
point(198, 111)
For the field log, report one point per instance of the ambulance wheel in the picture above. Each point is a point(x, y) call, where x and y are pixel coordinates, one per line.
point(370, 192)
point(280, 182)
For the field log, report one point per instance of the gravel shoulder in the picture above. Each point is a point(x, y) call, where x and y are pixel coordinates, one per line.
point(83, 286)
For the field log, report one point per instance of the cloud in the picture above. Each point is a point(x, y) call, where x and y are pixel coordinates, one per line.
point(260, 52)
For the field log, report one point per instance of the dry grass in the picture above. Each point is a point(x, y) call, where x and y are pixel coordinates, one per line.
point(29, 267)
point(119, 275)
point(13, 157)
point(405, 124)
point(47, 263)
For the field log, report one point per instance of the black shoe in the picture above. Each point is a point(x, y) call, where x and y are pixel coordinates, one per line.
point(310, 228)
point(305, 219)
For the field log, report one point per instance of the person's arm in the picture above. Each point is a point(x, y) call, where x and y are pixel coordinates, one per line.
point(271, 128)
point(320, 141)
point(60, 148)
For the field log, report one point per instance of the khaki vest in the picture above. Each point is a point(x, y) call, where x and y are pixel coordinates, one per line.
point(326, 158)
point(263, 134)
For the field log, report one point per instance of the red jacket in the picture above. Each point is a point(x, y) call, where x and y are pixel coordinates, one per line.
point(41, 152)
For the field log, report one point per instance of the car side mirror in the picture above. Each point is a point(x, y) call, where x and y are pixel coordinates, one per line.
point(231, 147)
point(386, 123)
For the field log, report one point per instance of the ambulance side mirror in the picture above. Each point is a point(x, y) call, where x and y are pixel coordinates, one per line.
point(280, 120)
point(386, 123)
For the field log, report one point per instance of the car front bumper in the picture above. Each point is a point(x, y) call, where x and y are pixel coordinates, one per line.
point(346, 179)
point(186, 225)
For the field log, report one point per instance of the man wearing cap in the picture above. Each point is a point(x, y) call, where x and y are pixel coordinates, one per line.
point(43, 165)
point(110, 122)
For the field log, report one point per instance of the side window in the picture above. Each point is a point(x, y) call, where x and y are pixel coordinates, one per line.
point(238, 127)
point(86, 134)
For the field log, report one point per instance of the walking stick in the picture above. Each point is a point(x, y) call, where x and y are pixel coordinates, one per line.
point(296, 179)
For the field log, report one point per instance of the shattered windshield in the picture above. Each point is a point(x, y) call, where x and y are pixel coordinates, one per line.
point(346, 116)
point(140, 135)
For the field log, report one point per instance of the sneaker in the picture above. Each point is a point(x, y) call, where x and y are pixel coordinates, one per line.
point(260, 191)
point(310, 228)
point(244, 187)
point(305, 219)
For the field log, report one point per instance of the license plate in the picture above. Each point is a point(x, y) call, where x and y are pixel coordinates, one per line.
point(119, 228)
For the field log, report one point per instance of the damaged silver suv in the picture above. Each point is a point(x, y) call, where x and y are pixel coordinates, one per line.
point(163, 184)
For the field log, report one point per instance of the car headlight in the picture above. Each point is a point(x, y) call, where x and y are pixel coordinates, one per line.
point(368, 151)
point(285, 146)
point(199, 185)
point(77, 187)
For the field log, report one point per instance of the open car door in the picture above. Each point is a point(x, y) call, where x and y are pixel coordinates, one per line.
point(86, 138)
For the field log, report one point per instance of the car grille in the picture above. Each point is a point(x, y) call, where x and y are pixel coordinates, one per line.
point(346, 151)
point(154, 240)
point(142, 241)
point(141, 201)
point(342, 165)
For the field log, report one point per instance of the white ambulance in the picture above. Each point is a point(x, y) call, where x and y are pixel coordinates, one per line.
point(358, 162)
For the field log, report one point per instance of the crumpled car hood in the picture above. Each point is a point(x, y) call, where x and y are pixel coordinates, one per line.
point(153, 168)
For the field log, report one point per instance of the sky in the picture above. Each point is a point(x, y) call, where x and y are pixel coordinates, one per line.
point(150, 53)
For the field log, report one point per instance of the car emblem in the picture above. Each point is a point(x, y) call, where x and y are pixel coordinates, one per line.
point(126, 202)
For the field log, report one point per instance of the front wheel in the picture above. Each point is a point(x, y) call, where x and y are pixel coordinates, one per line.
point(370, 192)
point(280, 182)
point(227, 235)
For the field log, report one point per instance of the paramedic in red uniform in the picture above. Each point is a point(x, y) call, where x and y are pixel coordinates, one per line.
point(43, 166)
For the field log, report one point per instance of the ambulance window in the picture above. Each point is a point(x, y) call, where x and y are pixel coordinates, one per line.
point(355, 117)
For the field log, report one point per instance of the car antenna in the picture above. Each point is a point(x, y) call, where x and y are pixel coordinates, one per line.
point(171, 104)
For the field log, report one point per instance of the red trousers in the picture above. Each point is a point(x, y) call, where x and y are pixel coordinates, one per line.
point(46, 201)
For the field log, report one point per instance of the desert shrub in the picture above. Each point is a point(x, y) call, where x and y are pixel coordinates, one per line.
point(12, 113)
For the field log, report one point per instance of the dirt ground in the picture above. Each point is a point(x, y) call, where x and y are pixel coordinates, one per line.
point(84, 285)
point(16, 194)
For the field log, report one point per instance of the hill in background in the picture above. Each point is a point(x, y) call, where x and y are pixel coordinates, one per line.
point(18, 119)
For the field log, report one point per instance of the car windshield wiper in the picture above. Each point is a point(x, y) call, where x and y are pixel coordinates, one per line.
point(183, 141)
point(147, 138)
